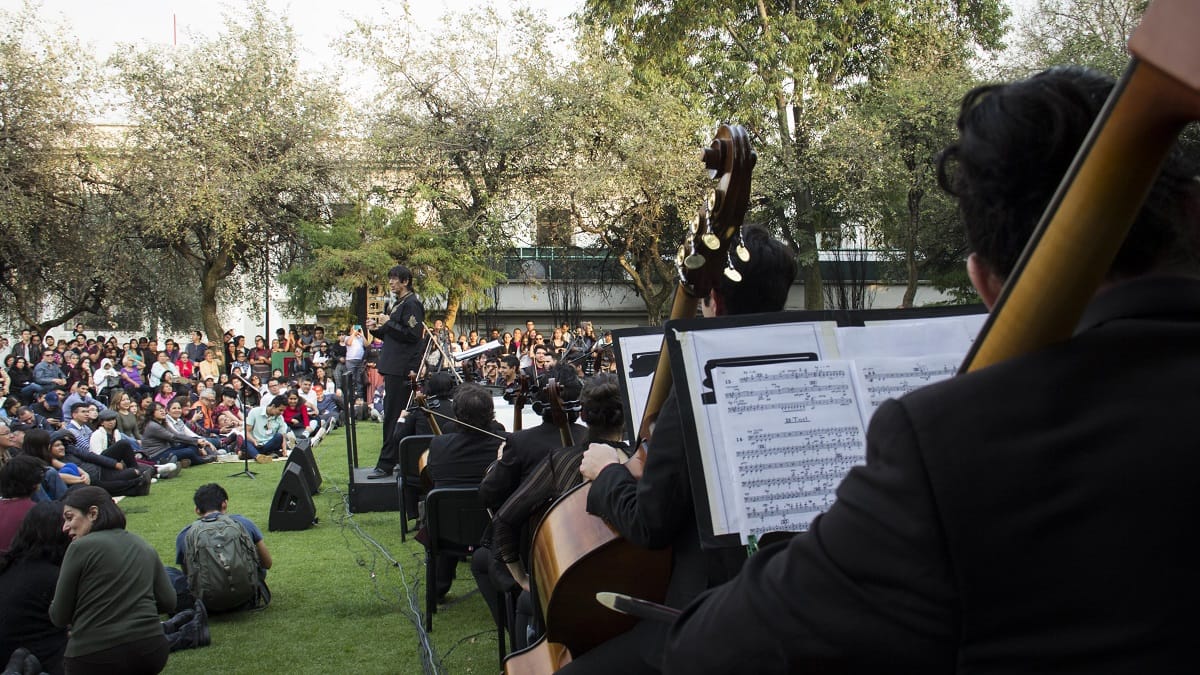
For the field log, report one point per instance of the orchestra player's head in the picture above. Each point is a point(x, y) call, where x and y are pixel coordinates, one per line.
point(600, 406)
point(1016, 142)
point(473, 405)
point(568, 378)
point(766, 277)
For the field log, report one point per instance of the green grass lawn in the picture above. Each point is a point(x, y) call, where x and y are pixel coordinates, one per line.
point(347, 594)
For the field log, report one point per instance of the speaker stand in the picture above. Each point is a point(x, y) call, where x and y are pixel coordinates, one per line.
point(245, 458)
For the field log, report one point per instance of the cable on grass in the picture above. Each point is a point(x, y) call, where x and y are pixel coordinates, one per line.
point(430, 662)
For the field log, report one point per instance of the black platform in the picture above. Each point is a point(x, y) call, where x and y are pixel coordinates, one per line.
point(367, 495)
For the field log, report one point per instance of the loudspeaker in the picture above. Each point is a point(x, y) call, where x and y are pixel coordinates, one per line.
point(308, 462)
point(292, 508)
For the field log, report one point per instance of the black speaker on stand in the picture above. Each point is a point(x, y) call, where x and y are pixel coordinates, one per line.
point(308, 462)
point(292, 508)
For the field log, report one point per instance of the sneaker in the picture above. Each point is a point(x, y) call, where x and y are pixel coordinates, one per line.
point(185, 463)
point(264, 459)
point(203, 637)
point(168, 470)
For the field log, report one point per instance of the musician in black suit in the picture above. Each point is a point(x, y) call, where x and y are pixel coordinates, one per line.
point(461, 457)
point(525, 449)
point(1033, 516)
point(402, 327)
point(657, 510)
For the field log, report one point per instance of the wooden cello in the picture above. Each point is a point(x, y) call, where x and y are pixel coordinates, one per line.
point(576, 554)
point(1087, 220)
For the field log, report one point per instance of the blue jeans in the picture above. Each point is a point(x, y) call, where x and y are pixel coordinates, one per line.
point(188, 452)
point(272, 446)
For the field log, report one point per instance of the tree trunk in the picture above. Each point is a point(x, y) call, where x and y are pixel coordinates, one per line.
point(210, 280)
point(910, 253)
point(453, 301)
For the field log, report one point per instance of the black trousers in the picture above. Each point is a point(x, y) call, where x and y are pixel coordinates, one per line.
point(143, 657)
point(397, 389)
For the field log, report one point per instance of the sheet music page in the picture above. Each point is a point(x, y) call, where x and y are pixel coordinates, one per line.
point(792, 430)
point(636, 351)
point(916, 337)
point(880, 378)
point(701, 347)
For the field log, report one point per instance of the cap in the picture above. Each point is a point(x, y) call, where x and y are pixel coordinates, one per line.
point(52, 399)
point(63, 435)
point(107, 414)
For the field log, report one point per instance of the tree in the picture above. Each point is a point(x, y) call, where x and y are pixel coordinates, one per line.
point(1089, 33)
point(878, 164)
point(56, 253)
point(627, 171)
point(232, 147)
point(460, 126)
point(782, 68)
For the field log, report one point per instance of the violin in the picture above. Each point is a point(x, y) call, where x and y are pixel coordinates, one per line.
point(520, 398)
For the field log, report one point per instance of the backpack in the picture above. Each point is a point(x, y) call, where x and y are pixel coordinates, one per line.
point(222, 563)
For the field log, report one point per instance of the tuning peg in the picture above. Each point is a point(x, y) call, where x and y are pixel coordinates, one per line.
point(743, 253)
point(733, 275)
point(710, 241)
point(694, 261)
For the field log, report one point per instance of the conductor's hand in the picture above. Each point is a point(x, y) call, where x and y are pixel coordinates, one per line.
point(598, 456)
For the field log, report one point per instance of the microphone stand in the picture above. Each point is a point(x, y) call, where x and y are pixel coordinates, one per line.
point(245, 434)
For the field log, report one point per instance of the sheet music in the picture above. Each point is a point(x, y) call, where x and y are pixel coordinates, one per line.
point(917, 337)
point(792, 430)
point(701, 347)
point(638, 384)
point(879, 378)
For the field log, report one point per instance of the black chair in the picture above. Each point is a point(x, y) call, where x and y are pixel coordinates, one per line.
point(412, 489)
point(454, 522)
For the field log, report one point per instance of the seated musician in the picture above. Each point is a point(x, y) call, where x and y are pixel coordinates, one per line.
point(657, 511)
point(1030, 516)
point(439, 394)
point(526, 449)
point(601, 408)
point(461, 457)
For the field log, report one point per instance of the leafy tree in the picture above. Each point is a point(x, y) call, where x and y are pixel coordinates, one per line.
point(232, 147)
point(56, 254)
point(783, 68)
point(1089, 33)
point(460, 124)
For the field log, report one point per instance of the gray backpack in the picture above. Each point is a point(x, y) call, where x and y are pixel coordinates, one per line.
point(222, 563)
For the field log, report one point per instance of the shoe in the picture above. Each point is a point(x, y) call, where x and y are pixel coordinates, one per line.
point(203, 637)
point(377, 473)
point(264, 459)
point(185, 463)
point(16, 664)
point(169, 470)
point(176, 622)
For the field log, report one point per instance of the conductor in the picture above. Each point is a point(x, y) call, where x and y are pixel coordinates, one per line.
point(402, 328)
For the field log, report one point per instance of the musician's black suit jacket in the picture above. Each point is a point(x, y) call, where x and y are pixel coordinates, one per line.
point(1036, 516)
point(460, 458)
point(403, 339)
point(523, 451)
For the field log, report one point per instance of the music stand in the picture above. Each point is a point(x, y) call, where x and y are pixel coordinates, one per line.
point(245, 435)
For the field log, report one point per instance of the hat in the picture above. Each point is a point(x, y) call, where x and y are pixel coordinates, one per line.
point(107, 414)
point(52, 399)
point(63, 435)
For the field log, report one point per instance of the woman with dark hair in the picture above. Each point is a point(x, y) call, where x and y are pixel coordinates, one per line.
point(160, 442)
point(37, 445)
point(20, 478)
point(20, 374)
point(601, 408)
point(111, 589)
point(28, 575)
point(166, 391)
point(68, 469)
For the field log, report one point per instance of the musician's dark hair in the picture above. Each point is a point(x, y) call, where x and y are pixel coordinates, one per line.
point(511, 361)
point(1016, 142)
point(766, 277)
point(473, 405)
point(600, 405)
point(441, 385)
point(568, 378)
point(402, 273)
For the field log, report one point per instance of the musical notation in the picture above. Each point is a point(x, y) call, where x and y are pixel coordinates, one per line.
point(881, 378)
point(788, 468)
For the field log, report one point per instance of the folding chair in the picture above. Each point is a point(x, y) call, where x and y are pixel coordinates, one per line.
point(410, 485)
point(454, 520)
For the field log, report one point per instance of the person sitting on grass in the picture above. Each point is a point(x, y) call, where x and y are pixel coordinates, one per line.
point(238, 582)
point(160, 443)
point(268, 431)
point(28, 575)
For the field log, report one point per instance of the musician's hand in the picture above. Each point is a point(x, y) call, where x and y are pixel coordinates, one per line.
point(519, 575)
point(635, 466)
point(598, 456)
point(500, 450)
